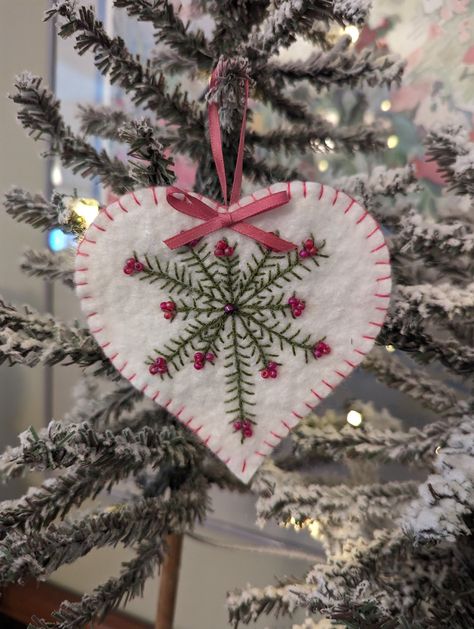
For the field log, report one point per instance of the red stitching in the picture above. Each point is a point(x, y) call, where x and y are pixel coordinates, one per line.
point(123, 366)
point(188, 423)
point(321, 190)
point(135, 198)
point(207, 439)
point(270, 445)
point(79, 253)
point(349, 206)
point(92, 242)
point(289, 190)
point(179, 412)
point(316, 395)
point(124, 209)
point(376, 229)
point(132, 377)
point(381, 279)
point(97, 330)
point(109, 216)
point(350, 364)
point(196, 430)
point(384, 244)
point(155, 396)
point(360, 352)
point(296, 415)
point(382, 295)
point(244, 465)
point(98, 227)
point(81, 283)
point(330, 386)
point(155, 198)
point(83, 270)
point(144, 388)
point(370, 338)
point(104, 345)
point(259, 453)
point(275, 434)
point(304, 189)
point(381, 308)
point(92, 314)
point(383, 262)
point(226, 462)
point(308, 406)
point(377, 325)
point(339, 373)
point(168, 403)
point(287, 426)
point(362, 218)
point(335, 197)
point(112, 358)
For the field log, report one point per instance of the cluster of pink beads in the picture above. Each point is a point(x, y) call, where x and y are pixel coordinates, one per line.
point(297, 306)
point(222, 249)
point(159, 366)
point(270, 371)
point(321, 349)
point(132, 265)
point(169, 309)
point(200, 358)
point(245, 427)
point(309, 249)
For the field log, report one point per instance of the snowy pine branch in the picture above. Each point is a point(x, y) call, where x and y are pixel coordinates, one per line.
point(170, 29)
point(29, 338)
point(150, 166)
point(341, 66)
point(39, 114)
point(431, 393)
point(49, 266)
point(452, 150)
point(414, 447)
point(35, 210)
point(246, 606)
point(114, 592)
point(37, 554)
point(112, 58)
point(102, 121)
point(435, 301)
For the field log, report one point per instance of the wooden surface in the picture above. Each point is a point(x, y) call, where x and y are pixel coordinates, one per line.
point(169, 578)
point(21, 602)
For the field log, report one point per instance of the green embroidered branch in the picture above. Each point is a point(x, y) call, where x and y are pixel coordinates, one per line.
point(294, 341)
point(271, 304)
point(180, 349)
point(239, 384)
point(195, 260)
point(258, 347)
point(254, 269)
point(172, 276)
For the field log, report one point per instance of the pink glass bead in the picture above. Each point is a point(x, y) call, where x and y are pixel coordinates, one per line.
point(292, 301)
point(237, 425)
point(265, 373)
point(219, 253)
point(221, 244)
point(199, 356)
point(160, 361)
point(229, 308)
point(272, 365)
point(229, 251)
point(153, 369)
point(297, 312)
point(138, 266)
point(247, 431)
point(198, 365)
point(210, 357)
point(170, 305)
point(273, 373)
point(128, 270)
point(303, 253)
point(321, 349)
point(309, 244)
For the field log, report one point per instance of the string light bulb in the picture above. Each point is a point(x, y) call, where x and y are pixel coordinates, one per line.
point(56, 175)
point(390, 348)
point(353, 32)
point(354, 418)
point(85, 209)
point(386, 105)
point(392, 141)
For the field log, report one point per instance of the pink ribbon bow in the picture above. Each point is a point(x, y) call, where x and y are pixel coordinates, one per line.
point(214, 220)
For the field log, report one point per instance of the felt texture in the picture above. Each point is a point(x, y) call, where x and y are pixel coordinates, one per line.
point(346, 298)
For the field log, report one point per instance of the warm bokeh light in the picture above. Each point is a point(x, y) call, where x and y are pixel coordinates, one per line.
point(392, 141)
point(87, 209)
point(323, 165)
point(56, 175)
point(386, 105)
point(354, 418)
point(353, 32)
point(390, 348)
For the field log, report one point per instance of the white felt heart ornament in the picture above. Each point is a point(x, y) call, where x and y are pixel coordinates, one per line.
point(236, 340)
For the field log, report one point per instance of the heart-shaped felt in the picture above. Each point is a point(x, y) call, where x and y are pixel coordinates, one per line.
point(237, 341)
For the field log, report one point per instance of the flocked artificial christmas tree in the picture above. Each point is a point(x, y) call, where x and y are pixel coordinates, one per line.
point(399, 554)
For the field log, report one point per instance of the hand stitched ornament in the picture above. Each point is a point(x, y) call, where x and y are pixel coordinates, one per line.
point(240, 319)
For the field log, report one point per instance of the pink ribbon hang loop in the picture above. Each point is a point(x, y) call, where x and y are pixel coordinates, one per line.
point(214, 220)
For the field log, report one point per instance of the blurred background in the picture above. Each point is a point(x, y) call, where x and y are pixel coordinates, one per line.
point(435, 37)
